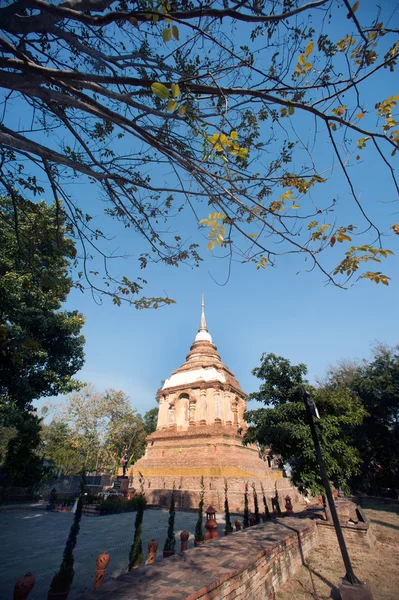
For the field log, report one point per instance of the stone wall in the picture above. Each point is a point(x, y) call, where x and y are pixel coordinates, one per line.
point(357, 536)
point(250, 564)
point(215, 452)
point(188, 492)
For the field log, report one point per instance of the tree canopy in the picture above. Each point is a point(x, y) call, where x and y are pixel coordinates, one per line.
point(237, 112)
point(41, 346)
point(283, 425)
point(151, 420)
point(92, 431)
point(376, 383)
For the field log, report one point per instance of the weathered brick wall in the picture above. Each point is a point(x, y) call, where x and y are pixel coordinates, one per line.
point(188, 492)
point(357, 536)
point(250, 564)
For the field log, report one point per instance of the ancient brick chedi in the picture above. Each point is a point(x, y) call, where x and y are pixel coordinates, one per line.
point(199, 434)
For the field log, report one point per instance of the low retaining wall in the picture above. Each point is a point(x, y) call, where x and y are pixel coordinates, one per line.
point(253, 563)
point(357, 536)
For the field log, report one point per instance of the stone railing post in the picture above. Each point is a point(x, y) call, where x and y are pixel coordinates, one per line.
point(152, 551)
point(102, 563)
point(184, 540)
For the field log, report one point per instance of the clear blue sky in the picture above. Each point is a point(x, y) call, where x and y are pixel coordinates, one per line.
point(272, 311)
point(275, 310)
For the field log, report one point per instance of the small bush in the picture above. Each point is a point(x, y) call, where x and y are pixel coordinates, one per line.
point(65, 499)
point(112, 506)
point(91, 499)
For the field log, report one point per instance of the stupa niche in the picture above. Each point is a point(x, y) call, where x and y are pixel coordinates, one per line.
point(199, 433)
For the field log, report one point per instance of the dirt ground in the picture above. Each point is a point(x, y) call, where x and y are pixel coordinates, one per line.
point(379, 566)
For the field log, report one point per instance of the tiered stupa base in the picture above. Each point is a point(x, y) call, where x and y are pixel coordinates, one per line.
point(199, 434)
point(181, 458)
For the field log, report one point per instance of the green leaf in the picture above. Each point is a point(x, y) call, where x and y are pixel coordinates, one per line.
point(160, 90)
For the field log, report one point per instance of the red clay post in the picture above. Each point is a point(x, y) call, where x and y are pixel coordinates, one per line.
point(102, 563)
point(184, 540)
point(23, 587)
point(211, 525)
point(152, 551)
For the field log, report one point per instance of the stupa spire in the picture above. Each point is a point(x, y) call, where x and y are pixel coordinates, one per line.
point(203, 326)
point(203, 335)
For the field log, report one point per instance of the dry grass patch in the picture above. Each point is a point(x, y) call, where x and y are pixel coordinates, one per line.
point(379, 566)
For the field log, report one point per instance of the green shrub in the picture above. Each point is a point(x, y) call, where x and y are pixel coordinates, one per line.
point(91, 499)
point(199, 536)
point(112, 506)
point(228, 526)
point(136, 555)
point(170, 541)
point(63, 579)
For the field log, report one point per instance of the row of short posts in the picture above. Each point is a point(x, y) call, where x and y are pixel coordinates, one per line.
point(24, 586)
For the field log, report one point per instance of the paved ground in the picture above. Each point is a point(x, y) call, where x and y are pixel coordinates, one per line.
point(33, 540)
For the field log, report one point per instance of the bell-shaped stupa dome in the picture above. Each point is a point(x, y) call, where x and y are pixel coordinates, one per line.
point(203, 363)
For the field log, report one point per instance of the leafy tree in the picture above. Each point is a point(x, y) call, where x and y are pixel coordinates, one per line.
point(162, 109)
point(61, 448)
point(150, 420)
point(376, 383)
point(199, 534)
point(228, 525)
point(41, 346)
point(284, 427)
point(125, 429)
point(103, 427)
point(23, 464)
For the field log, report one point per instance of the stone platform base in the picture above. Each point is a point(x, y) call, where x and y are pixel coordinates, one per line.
point(158, 492)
